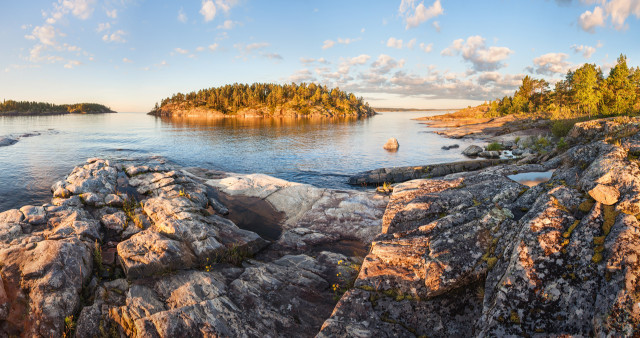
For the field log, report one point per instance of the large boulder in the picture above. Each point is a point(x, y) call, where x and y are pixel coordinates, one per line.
point(391, 144)
point(472, 150)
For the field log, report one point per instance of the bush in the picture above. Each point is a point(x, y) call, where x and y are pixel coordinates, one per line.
point(561, 128)
point(494, 146)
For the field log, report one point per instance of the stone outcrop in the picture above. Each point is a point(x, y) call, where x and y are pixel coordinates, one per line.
point(146, 249)
point(472, 254)
point(403, 174)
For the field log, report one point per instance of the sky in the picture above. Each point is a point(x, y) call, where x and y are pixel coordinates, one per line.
point(130, 54)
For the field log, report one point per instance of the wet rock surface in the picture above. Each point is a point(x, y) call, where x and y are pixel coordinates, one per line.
point(558, 259)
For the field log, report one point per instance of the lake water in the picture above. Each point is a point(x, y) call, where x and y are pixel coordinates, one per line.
point(322, 152)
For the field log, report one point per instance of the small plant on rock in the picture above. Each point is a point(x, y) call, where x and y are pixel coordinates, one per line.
point(97, 257)
point(494, 146)
point(69, 327)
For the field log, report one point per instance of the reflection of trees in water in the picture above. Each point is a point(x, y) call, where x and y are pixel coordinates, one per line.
point(244, 122)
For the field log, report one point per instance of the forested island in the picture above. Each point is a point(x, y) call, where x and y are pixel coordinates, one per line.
point(585, 93)
point(264, 99)
point(23, 108)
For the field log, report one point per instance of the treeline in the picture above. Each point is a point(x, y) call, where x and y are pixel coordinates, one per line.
point(583, 92)
point(302, 97)
point(34, 108)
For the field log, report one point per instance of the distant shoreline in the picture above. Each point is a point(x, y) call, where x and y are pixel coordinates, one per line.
point(382, 110)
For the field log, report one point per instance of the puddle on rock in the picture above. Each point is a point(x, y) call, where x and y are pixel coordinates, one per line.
point(347, 247)
point(251, 213)
point(531, 179)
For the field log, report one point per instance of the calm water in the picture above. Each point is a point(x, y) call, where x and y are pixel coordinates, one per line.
point(322, 152)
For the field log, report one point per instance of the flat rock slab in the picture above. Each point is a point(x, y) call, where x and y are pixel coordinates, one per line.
point(149, 253)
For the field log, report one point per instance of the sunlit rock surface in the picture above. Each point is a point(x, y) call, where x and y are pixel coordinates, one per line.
point(482, 256)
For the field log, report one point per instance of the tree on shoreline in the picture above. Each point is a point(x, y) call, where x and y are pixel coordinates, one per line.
point(583, 92)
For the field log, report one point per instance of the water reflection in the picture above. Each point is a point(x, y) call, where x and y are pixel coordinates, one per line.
point(318, 151)
point(531, 179)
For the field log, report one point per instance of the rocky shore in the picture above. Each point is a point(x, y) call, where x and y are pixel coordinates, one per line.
point(127, 248)
point(281, 111)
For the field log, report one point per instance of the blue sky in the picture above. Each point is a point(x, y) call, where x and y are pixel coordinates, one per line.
point(129, 54)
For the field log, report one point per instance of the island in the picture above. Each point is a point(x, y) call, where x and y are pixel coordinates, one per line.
point(28, 108)
point(264, 99)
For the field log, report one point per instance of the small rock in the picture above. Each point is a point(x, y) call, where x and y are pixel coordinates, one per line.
point(472, 150)
point(7, 141)
point(116, 221)
point(489, 154)
point(11, 216)
point(517, 152)
point(453, 146)
point(392, 144)
point(61, 193)
point(218, 207)
point(113, 200)
point(92, 199)
point(605, 194)
point(34, 215)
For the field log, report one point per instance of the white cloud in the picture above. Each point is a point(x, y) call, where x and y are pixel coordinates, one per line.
point(586, 51)
point(213, 47)
point(273, 56)
point(550, 64)
point(79, 8)
point(411, 43)
point(256, 45)
point(359, 60)
point(112, 13)
point(117, 36)
point(125, 60)
point(394, 43)
point(181, 51)
point(228, 24)
point(302, 75)
point(328, 44)
point(45, 34)
point(426, 48)
point(589, 20)
point(619, 10)
point(385, 63)
point(72, 63)
point(436, 25)
point(415, 15)
point(208, 10)
point(226, 5)
point(200, 49)
point(103, 27)
point(182, 16)
point(312, 60)
point(475, 51)
point(345, 41)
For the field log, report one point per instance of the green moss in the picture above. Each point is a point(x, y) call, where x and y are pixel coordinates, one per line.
point(476, 203)
point(599, 240)
point(367, 288)
point(567, 233)
point(491, 262)
point(586, 205)
point(514, 318)
point(598, 249)
point(610, 214)
point(597, 258)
